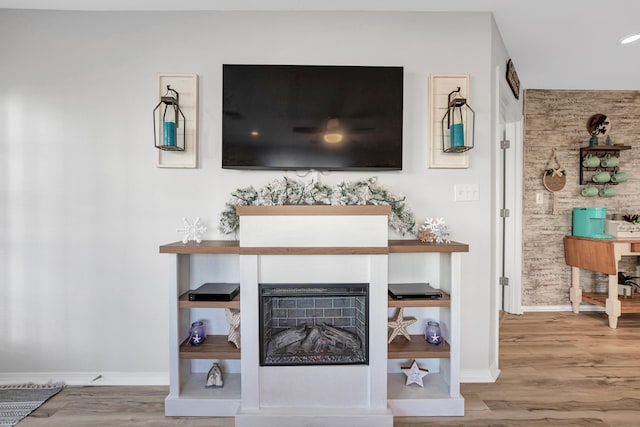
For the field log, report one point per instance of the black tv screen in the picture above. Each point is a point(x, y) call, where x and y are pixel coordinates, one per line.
point(312, 117)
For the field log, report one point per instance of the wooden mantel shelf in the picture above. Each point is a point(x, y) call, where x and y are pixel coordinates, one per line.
point(211, 247)
point(314, 210)
point(233, 247)
point(413, 246)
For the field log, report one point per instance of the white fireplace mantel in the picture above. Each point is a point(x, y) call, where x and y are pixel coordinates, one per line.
point(348, 395)
point(322, 244)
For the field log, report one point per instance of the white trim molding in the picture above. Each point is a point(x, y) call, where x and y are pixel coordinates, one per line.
point(87, 378)
point(480, 375)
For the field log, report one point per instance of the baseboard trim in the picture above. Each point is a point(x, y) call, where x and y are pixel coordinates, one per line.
point(489, 375)
point(162, 378)
point(567, 307)
point(87, 378)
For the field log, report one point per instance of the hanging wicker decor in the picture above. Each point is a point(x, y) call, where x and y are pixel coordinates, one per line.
point(554, 179)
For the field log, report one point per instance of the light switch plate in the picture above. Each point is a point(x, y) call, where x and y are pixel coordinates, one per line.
point(466, 192)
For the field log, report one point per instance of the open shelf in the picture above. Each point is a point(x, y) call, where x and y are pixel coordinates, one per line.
point(417, 348)
point(445, 301)
point(197, 400)
point(605, 148)
point(183, 302)
point(628, 305)
point(214, 347)
point(412, 400)
point(598, 150)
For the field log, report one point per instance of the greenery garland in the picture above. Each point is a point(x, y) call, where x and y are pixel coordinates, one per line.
point(287, 191)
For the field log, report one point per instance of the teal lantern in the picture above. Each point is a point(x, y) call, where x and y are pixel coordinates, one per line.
point(457, 124)
point(168, 122)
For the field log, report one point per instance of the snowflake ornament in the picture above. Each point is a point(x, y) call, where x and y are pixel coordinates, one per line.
point(192, 230)
point(436, 230)
point(434, 338)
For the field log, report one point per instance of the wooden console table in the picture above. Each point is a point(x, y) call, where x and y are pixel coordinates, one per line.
point(602, 256)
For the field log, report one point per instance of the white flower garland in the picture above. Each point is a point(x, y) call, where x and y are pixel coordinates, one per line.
point(287, 191)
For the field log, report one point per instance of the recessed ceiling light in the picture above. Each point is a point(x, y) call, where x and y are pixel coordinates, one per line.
point(630, 39)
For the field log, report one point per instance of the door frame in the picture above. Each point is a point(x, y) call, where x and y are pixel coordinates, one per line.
point(509, 122)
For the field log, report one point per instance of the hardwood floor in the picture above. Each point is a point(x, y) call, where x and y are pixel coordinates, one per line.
point(558, 369)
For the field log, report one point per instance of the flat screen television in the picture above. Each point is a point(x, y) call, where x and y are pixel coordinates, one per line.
point(296, 117)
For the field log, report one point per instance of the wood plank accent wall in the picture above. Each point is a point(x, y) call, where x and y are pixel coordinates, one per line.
point(557, 118)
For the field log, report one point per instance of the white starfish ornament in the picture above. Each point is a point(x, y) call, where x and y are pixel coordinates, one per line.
point(415, 374)
point(192, 231)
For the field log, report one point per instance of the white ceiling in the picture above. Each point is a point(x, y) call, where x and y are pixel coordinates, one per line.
point(554, 44)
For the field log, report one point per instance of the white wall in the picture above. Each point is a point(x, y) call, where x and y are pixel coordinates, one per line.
point(84, 208)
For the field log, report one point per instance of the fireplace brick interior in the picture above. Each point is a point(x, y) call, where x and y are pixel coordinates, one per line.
point(322, 324)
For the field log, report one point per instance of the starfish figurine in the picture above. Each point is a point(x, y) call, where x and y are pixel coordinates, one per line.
point(233, 317)
point(415, 374)
point(399, 325)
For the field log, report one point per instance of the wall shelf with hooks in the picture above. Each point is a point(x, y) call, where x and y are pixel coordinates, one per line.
point(599, 151)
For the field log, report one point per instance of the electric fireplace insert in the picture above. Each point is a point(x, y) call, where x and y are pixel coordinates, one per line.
point(314, 324)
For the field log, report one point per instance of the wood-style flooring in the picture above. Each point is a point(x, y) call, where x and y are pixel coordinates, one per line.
point(557, 369)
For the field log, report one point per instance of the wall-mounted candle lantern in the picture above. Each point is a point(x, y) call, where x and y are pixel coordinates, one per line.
point(457, 124)
point(169, 122)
